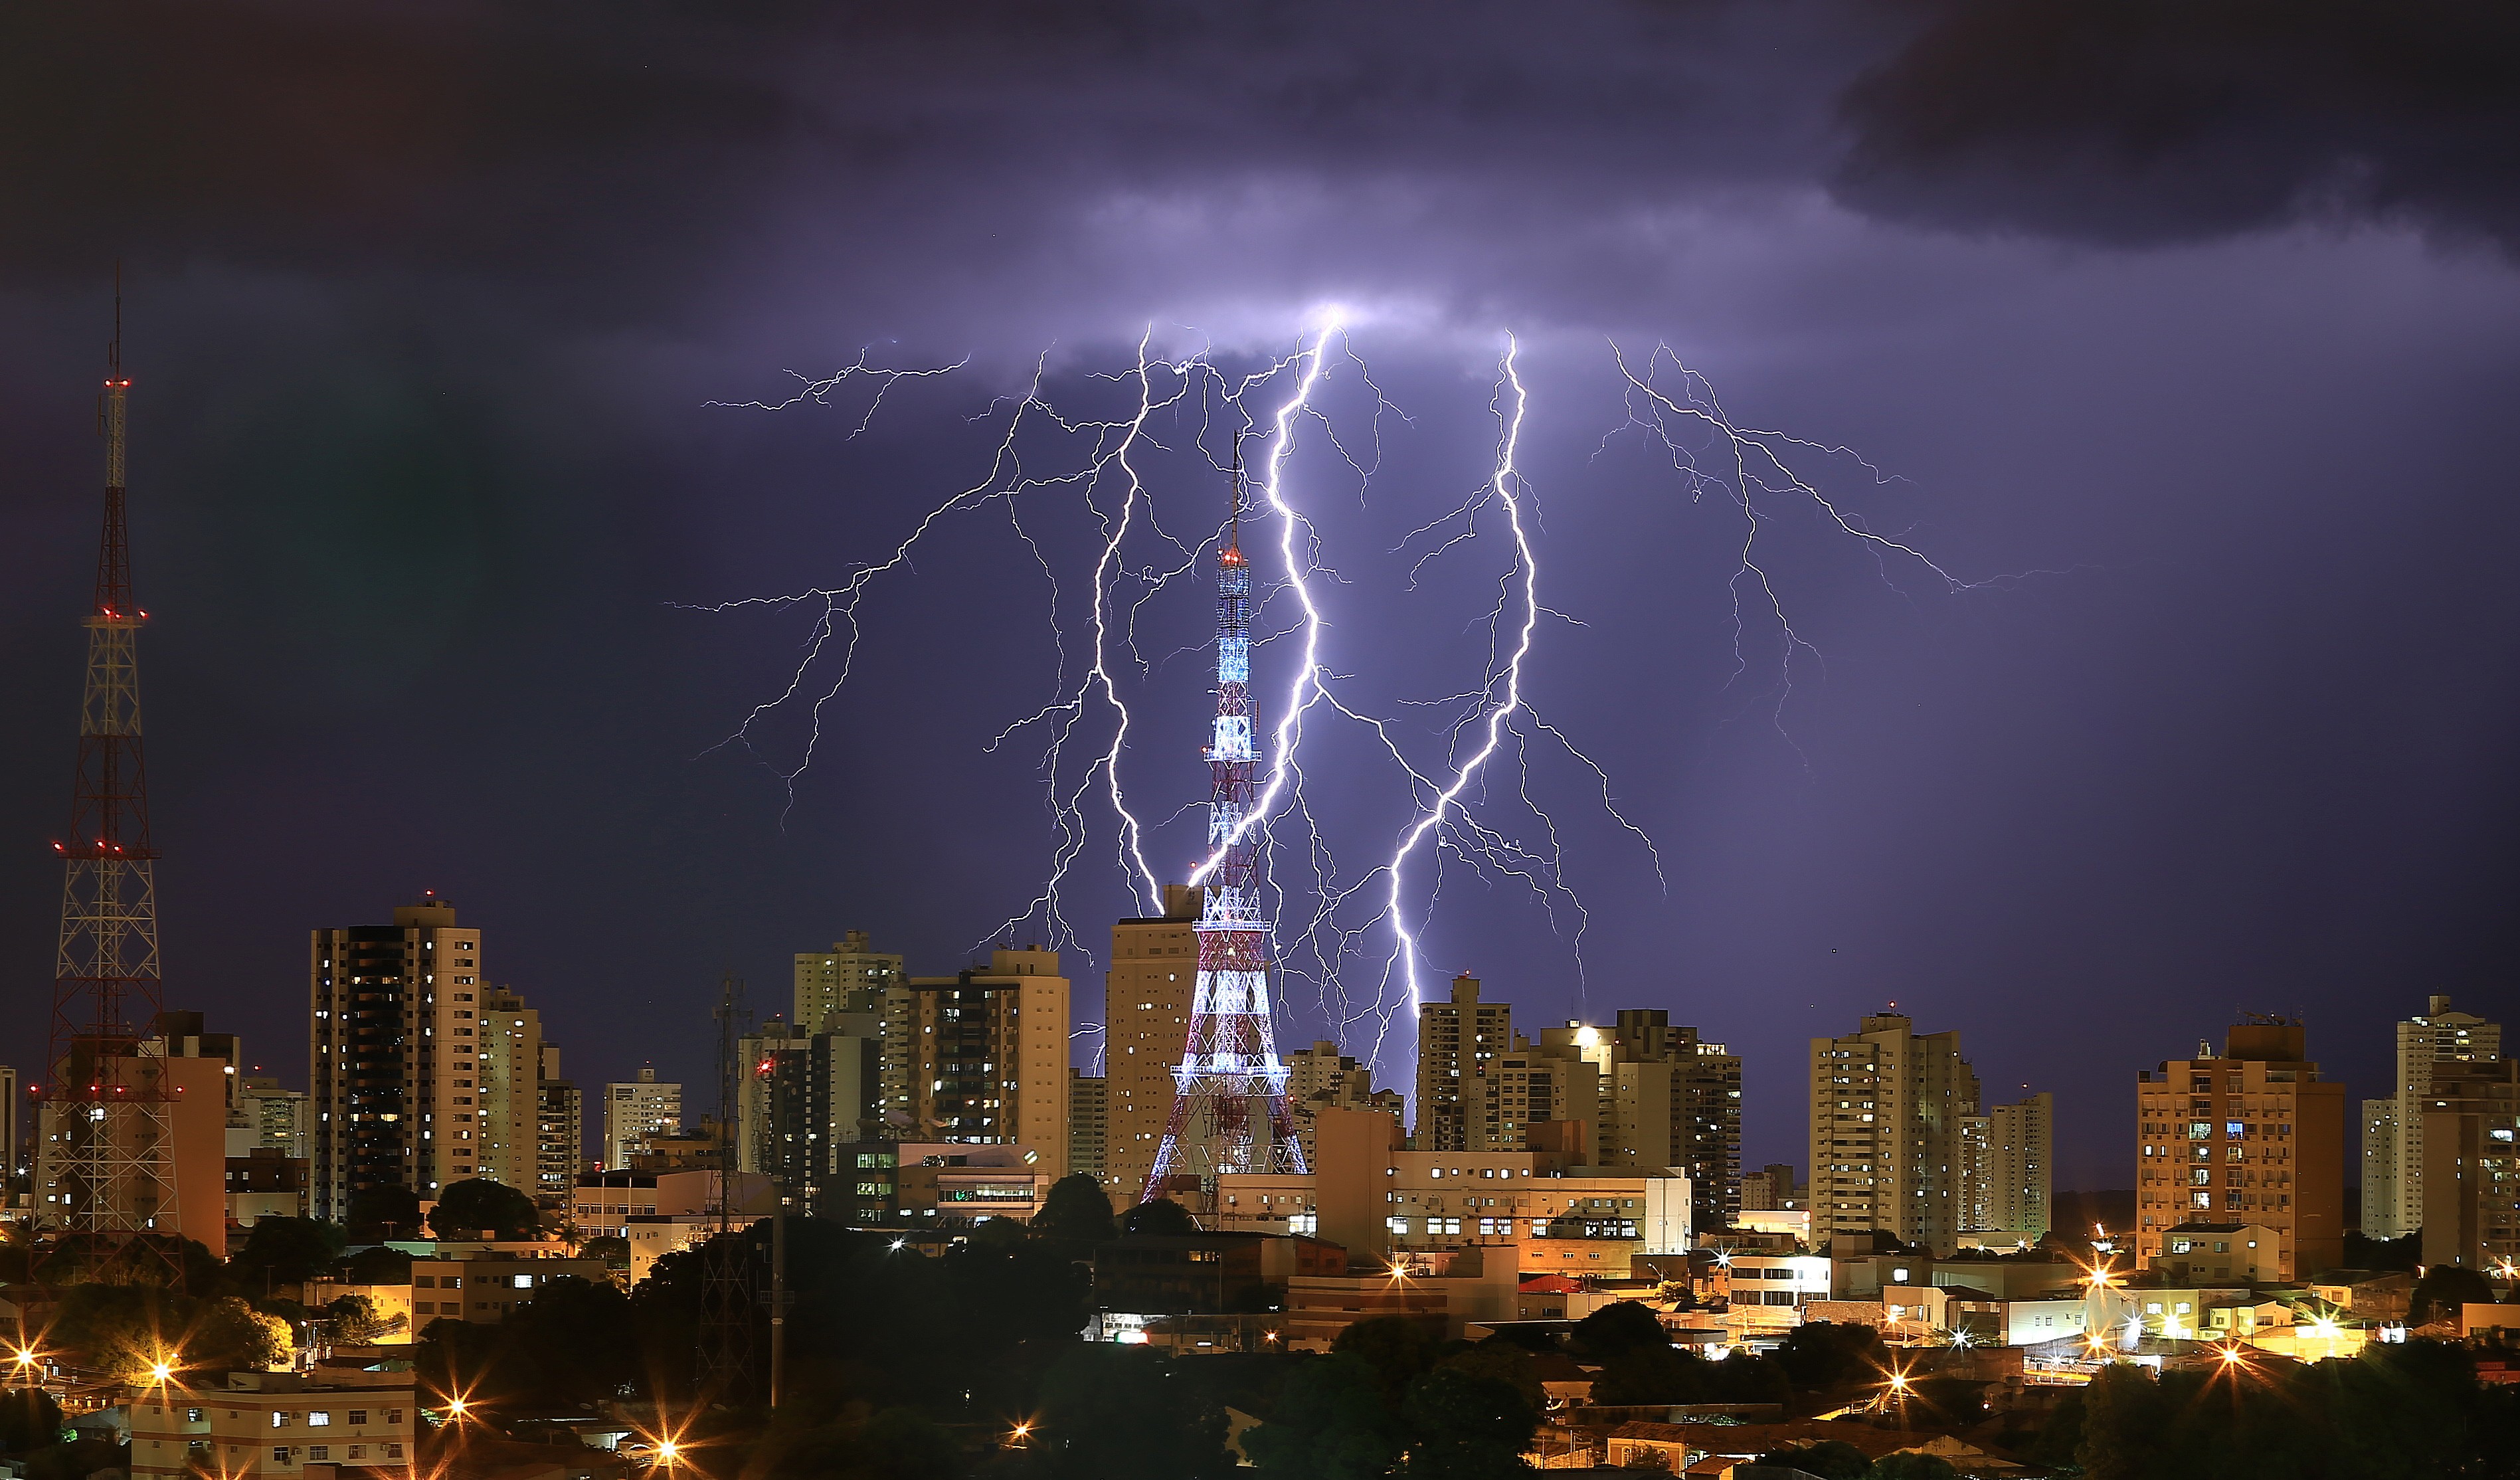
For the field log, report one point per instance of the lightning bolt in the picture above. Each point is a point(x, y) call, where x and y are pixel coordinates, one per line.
point(1750, 467)
point(1359, 938)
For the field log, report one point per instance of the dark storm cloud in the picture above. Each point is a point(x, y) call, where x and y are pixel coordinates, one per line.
point(302, 133)
point(629, 144)
point(2140, 122)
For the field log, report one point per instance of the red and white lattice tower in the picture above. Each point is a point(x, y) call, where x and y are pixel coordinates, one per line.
point(105, 1144)
point(1229, 1111)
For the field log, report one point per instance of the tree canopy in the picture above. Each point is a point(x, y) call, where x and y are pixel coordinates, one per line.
point(390, 1211)
point(467, 1209)
point(2443, 1290)
point(288, 1250)
point(1077, 1211)
point(1330, 1424)
point(1161, 1216)
point(1829, 1460)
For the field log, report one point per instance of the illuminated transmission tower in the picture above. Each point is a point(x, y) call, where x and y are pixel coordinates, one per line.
point(1229, 1091)
point(108, 1150)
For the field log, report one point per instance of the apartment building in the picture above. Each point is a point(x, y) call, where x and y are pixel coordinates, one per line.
point(2249, 1134)
point(1889, 1110)
point(1145, 1024)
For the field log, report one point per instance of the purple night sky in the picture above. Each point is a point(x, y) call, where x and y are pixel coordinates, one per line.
point(2207, 309)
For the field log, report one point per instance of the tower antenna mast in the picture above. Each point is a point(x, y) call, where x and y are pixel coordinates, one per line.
point(107, 1138)
point(1229, 1112)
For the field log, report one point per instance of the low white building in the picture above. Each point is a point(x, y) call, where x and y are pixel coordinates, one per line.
point(1769, 1293)
point(275, 1424)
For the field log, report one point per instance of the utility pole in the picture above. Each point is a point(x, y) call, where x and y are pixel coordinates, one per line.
point(726, 1308)
point(778, 1301)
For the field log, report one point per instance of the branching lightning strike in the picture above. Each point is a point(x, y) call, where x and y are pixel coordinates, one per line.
point(1356, 939)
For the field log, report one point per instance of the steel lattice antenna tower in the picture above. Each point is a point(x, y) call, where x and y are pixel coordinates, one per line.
point(107, 1145)
point(1230, 1086)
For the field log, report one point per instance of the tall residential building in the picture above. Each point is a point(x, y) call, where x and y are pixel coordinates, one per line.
point(636, 1110)
point(846, 979)
point(2007, 1183)
point(2393, 1152)
point(1088, 1123)
point(806, 1101)
point(1456, 1039)
point(1654, 1095)
point(396, 1056)
point(2252, 1135)
point(981, 1057)
point(1889, 1107)
point(263, 1116)
point(2471, 1171)
point(509, 1098)
point(560, 1131)
point(1146, 1019)
point(1674, 1101)
point(2380, 1186)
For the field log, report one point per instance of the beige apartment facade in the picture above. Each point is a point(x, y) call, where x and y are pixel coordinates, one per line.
point(849, 977)
point(2251, 1134)
point(1888, 1106)
point(1145, 1024)
point(420, 1073)
point(981, 1057)
point(272, 1424)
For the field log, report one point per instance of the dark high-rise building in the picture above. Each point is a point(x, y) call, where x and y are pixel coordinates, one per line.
point(560, 1131)
point(395, 1056)
point(806, 1101)
point(1677, 1102)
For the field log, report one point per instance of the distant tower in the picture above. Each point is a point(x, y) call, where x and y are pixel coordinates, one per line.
point(106, 1142)
point(1229, 1089)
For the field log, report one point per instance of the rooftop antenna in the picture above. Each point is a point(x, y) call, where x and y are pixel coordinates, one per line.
point(1233, 519)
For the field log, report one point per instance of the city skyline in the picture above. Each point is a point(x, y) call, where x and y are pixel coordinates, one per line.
point(2239, 757)
point(1156, 742)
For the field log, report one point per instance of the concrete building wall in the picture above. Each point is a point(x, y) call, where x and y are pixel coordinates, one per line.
point(1456, 1040)
point(2020, 1182)
point(2252, 1135)
point(2381, 1190)
point(1888, 1108)
point(392, 1043)
point(849, 977)
point(1088, 1123)
point(2426, 1044)
point(981, 1057)
point(1145, 1022)
point(2471, 1172)
point(506, 1119)
point(636, 1109)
